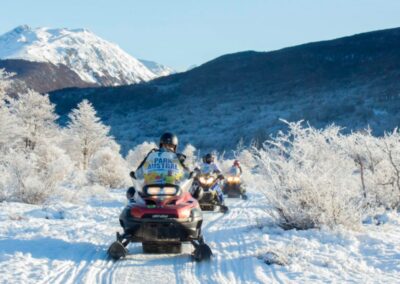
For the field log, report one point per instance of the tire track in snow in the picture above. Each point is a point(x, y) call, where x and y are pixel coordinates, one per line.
point(227, 236)
point(225, 233)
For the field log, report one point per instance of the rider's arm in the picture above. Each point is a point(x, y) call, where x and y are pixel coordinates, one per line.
point(182, 159)
point(218, 171)
point(187, 172)
point(139, 170)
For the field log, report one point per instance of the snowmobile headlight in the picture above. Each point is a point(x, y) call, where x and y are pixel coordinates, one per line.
point(210, 180)
point(203, 180)
point(153, 190)
point(233, 179)
point(169, 190)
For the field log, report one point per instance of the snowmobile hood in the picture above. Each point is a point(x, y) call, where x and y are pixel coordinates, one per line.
point(176, 207)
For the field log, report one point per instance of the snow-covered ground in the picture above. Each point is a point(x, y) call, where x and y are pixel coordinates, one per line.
point(67, 243)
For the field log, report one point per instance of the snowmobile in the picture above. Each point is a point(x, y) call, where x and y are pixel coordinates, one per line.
point(207, 198)
point(233, 187)
point(167, 217)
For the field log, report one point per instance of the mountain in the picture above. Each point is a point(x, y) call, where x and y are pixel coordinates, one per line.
point(352, 81)
point(93, 59)
point(158, 69)
point(43, 76)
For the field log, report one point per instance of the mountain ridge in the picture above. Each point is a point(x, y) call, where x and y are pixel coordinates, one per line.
point(351, 81)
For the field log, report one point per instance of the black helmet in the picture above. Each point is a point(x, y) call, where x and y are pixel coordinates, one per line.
point(209, 158)
point(169, 139)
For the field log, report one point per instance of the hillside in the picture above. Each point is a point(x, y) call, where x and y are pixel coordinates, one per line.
point(351, 81)
point(43, 76)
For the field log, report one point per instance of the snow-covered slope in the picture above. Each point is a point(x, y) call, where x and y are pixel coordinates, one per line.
point(157, 68)
point(94, 59)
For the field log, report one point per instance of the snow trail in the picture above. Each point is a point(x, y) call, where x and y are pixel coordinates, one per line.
point(67, 243)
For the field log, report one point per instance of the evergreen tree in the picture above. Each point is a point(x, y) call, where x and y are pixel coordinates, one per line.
point(87, 134)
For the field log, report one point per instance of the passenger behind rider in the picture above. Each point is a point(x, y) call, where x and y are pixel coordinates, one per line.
point(161, 166)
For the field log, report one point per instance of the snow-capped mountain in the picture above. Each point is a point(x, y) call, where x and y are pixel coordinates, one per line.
point(157, 68)
point(94, 59)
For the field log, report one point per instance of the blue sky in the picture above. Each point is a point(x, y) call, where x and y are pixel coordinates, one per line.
point(181, 33)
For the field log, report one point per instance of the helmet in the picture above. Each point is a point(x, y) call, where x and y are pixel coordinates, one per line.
point(236, 163)
point(169, 139)
point(209, 158)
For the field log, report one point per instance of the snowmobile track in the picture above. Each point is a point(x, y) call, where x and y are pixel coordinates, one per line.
point(225, 233)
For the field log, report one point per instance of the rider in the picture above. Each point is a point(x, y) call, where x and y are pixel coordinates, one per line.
point(209, 167)
point(236, 169)
point(162, 166)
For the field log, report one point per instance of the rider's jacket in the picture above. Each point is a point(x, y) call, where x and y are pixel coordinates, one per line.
point(235, 171)
point(208, 169)
point(162, 166)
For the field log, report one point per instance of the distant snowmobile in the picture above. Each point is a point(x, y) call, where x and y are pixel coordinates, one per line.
point(204, 193)
point(233, 187)
point(167, 217)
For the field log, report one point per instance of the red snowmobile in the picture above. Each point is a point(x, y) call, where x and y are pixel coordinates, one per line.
point(167, 217)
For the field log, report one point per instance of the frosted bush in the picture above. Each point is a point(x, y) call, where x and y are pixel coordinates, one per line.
point(190, 152)
point(377, 164)
point(33, 176)
point(109, 169)
point(246, 158)
point(25, 184)
point(308, 179)
point(387, 172)
point(137, 154)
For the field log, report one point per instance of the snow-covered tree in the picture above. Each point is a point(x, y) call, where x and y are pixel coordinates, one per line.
point(388, 171)
point(4, 82)
point(7, 121)
point(87, 134)
point(35, 118)
point(190, 152)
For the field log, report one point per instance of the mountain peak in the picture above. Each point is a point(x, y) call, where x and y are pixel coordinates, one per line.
point(94, 59)
point(157, 68)
point(22, 28)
